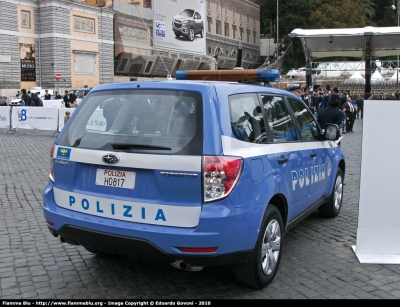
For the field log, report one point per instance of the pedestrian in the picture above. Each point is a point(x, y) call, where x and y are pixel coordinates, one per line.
point(309, 102)
point(47, 95)
point(350, 113)
point(343, 123)
point(39, 100)
point(328, 87)
point(331, 114)
point(18, 94)
point(325, 98)
point(315, 98)
point(25, 98)
point(360, 106)
point(320, 100)
point(73, 100)
point(34, 100)
point(295, 89)
point(343, 98)
point(67, 99)
point(57, 96)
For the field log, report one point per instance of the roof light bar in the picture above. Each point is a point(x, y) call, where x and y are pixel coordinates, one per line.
point(261, 75)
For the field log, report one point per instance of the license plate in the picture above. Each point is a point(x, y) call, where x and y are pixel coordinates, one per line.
point(116, 179)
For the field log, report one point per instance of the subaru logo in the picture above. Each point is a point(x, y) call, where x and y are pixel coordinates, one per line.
point(110, 159)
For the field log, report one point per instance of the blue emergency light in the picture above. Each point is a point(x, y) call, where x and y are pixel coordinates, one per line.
point(240, 75)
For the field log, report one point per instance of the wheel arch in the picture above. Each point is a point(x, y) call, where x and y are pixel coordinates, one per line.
point(279, 201)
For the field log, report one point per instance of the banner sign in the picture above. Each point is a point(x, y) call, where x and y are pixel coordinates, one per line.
point(5, 117)
point(97, 121)
point(27, 58)
point(40, 118)
point(63, 116)
point(179, 25)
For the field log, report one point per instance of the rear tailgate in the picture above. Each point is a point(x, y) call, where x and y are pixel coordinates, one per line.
point(151, 189)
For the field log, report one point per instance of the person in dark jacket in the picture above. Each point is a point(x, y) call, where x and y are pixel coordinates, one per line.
point(350, 115)
point(331, 114)
point(57, 96)
point(25, 97)
point(34, 100)
point(47, 96)
point(360, 106)
point(67, 99)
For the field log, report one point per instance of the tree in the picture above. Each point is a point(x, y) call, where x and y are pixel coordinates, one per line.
point(385, 16)
point(341, 14)
point(290, 12)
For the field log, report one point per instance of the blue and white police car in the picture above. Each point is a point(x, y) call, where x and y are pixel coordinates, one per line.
point(193, 172)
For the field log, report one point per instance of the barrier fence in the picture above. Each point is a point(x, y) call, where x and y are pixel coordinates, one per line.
point(49, 118)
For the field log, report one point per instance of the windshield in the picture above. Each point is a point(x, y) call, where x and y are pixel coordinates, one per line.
point(138, 121)
point(187, 13)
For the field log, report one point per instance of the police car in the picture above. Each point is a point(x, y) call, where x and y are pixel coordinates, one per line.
point(193, 172)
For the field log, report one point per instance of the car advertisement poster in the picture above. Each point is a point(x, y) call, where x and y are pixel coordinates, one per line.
point(179, 25)
point(27, 58)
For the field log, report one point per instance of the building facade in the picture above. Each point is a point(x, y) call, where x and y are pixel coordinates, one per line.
point(226, 22)
point(77, 43)
point(41, 39)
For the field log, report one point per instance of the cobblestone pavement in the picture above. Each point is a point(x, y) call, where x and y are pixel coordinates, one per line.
point(317, 261)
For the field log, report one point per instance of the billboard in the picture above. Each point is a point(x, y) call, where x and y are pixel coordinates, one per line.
point(179, 25)
point(27, 58)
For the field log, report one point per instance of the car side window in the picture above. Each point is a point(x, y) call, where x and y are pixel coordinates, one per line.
point(307, 124)
point(279, 120)
point(247, 121)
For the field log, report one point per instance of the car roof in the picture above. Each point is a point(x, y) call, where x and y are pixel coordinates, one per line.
point(227, 87)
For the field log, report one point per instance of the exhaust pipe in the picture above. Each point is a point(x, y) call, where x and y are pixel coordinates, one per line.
point(62, 240)
point(183, 265)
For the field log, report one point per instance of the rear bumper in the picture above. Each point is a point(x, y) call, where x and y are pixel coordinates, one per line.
point(233, 231)
point(139, 248)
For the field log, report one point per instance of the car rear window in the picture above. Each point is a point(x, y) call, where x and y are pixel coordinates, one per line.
point(161, 121)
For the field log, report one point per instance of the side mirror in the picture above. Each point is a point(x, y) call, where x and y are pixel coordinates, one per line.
point(332, 132)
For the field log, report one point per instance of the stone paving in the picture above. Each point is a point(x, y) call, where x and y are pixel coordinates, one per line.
point(317, 262)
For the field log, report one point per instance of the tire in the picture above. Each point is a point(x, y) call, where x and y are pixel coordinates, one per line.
point(177, 34)
point(260, 269)
point(202, 33)
point(334, 204)
point(191, 34)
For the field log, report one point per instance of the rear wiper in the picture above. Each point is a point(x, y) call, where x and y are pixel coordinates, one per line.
point(78, 141)
point(128, 146)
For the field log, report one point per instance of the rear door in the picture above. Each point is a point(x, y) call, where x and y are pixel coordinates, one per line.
point(133, 155)
point(292, 160)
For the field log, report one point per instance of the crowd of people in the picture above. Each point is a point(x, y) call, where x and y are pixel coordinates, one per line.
point(334, 106)
point(30, 99)
point(33, 99)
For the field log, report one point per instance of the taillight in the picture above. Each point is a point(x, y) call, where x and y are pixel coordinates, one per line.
point(220, 176)
point(51, 175)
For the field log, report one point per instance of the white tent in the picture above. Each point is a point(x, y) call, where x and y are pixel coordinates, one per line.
point(356, 77)
point(376, 77)
point(394, 77)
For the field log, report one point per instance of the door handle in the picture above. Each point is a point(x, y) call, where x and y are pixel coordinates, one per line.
point(313, 154)
point(282, 160)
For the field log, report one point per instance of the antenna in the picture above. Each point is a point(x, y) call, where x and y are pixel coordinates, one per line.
point(165, 66)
